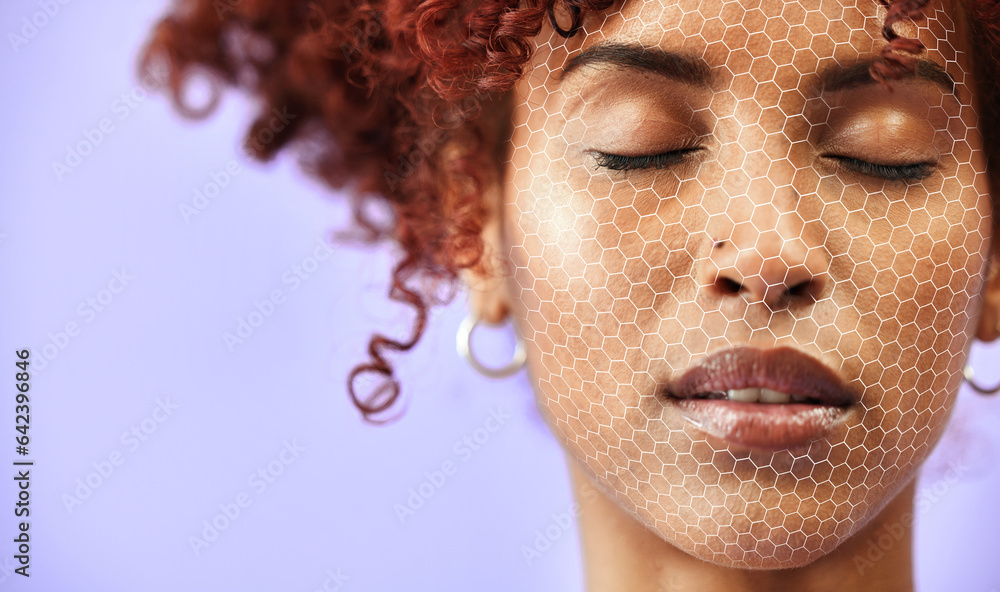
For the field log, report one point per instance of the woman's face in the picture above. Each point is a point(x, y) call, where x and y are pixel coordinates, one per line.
point(748, 274)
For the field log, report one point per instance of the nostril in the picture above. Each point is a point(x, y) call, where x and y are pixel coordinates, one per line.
point(800, 289)
point(728, 286)
point(808, 286)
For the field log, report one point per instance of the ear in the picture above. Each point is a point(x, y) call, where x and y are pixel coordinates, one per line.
point(489, 296)
point(989, 317)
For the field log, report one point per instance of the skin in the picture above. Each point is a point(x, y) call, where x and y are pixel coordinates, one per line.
point(619, 282)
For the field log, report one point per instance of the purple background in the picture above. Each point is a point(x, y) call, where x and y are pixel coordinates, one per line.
point(161, 337)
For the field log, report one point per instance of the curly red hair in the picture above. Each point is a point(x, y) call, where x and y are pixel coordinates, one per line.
point(403, 102)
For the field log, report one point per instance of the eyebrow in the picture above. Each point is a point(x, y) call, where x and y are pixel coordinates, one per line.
point(696, 71)
point(842, 77)
point(675, 66)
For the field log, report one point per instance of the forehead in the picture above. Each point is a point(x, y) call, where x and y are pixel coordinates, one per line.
point(753, 26)
point(765, 40)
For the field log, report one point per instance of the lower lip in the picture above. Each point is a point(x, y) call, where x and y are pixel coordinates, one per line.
point(762, 425)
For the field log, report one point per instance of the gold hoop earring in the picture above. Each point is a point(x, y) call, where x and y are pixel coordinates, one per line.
point(463, 341)
point(982, 390)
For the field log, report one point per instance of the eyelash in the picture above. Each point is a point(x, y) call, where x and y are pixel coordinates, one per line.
point(905, 172)
point(617, 162)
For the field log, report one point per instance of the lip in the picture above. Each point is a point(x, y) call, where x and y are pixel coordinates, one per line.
point(762, 425)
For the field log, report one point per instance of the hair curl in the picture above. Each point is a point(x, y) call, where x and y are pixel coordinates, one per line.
point(403, 102)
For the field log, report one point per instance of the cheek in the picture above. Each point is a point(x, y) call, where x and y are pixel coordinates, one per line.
point(604, 269)
point(924, 267)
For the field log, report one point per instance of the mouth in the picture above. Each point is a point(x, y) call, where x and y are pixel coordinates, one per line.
point(770, 399)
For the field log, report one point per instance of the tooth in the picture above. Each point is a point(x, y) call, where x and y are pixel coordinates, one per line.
point(769, 396)
point(800, 398)
point(747, 395)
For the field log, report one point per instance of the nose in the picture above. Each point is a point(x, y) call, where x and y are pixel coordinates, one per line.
point(769, 259)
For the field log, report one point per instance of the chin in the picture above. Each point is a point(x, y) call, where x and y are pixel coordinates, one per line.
point(780, 530)
point(778, 550)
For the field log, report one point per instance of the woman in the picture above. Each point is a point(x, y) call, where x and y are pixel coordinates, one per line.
point(746, 243)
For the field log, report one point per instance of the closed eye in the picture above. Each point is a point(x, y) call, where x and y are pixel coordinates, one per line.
point(617, 162)
point(904, 172)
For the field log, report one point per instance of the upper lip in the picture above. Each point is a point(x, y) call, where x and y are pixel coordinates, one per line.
point(782, 369)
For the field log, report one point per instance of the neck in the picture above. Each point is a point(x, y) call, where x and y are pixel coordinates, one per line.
point(621, 554)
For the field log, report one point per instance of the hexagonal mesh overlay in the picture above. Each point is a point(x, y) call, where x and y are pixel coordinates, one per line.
point(713, 200)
